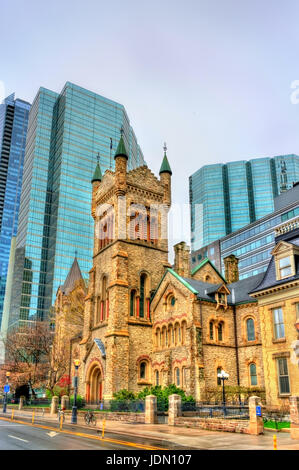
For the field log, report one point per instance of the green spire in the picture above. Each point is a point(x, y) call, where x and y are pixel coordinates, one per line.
point(97, 176)
point(165, 167)
point(121, 148)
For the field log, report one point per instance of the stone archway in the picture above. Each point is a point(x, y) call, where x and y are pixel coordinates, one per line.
point(94, 384)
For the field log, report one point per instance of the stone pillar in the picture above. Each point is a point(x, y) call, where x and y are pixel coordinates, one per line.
point(54, 405)
point(174, 408)
point(294, 415)
point(256, 424)
point(151, 416)
point(21, 402)
point(65, 402)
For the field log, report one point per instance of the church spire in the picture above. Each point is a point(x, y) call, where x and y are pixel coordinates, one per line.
point(121, 150)
point(165, 167)
point(97, 176)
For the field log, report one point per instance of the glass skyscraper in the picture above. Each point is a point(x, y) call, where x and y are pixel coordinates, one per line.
point(66, 132)
point(226, 197)
point(13, 129)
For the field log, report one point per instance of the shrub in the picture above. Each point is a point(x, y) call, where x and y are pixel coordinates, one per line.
point(80, 401)
point(124, 395)
point(163, 394)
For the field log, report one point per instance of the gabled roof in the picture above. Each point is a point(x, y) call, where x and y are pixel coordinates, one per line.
point(239, 291)
point(201, 265)
point(73, 276)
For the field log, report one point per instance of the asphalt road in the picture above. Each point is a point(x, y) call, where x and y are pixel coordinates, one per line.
point(14, 436)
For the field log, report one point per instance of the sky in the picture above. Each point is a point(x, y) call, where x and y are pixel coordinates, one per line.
point(212, 79)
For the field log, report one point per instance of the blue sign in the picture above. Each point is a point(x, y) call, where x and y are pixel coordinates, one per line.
point(6, 388)
point(258, 411)
point(101, 346)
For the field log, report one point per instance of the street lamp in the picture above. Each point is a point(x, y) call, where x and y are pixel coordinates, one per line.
point(6, 390)
point(74, 408)
point(223, 376)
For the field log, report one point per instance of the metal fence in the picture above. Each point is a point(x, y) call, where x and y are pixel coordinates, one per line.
point(222, 411)
point(133, 406)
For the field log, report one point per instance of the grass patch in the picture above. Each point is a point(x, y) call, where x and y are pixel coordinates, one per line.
point(278, 425)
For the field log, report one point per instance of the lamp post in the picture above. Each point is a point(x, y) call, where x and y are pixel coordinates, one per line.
point(223, 376)
point(74, 408)
point(6, 390)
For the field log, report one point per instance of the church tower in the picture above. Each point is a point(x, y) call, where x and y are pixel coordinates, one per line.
point(130, 256)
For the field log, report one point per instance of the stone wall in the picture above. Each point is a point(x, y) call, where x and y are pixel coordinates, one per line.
point(213, 424)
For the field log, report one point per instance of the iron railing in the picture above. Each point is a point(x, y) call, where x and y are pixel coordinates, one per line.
point(222, 411)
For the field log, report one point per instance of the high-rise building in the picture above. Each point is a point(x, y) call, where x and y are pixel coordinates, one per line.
point(253, 244)
point(226, 197)
point(13, 129)
point(65, 134)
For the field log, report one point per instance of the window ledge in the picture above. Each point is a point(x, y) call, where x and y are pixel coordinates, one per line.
point(279, 340)
point(143, 382)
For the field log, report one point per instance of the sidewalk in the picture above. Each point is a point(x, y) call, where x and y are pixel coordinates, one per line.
point(181, 436)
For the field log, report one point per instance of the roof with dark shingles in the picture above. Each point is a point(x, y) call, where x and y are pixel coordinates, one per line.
point(269, 278)
point(73, 276)
point(239, 290)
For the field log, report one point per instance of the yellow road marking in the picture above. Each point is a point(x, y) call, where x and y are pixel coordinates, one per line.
point(89, 436)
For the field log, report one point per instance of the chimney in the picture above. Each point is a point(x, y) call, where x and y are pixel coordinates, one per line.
point(231, 269)
point(182, 259)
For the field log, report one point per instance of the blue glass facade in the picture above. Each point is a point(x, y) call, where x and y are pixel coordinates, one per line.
point(226, 197)
point(66, 132)
point(13, 129)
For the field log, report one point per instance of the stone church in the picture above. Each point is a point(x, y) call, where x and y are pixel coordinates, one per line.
point(147, 322)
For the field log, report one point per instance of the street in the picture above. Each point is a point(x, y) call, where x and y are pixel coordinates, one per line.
point(15, 436)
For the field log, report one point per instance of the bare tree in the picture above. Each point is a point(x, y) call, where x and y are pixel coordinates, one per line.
point(28, 352)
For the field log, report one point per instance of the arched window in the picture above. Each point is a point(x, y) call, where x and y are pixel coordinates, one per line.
point(219, 369)
point(158, 337)
point(143, 289)
point(157, 377)
point(177, 376)
point(250, 329)
point(211, 330)
point(220, 331)
point(142, 370)
point(132, 303)
point(176, 334)
point(253, 376)
point(180, 334)
point(184, 377)
point(170, 332)
point(104, 298)
point(184, 327)
point(98, 310)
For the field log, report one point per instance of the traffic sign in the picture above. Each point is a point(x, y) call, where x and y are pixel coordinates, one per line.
point(6, 388)
point(258, 411)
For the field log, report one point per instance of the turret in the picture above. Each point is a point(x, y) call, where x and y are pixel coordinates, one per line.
point(231, 269)
point(96, 181)
point(121, 159)
point(182, 259)
point(165, 178)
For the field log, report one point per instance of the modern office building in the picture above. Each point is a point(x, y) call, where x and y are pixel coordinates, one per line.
point(226, 197)
point(253, 244)
point(66, 132)
point(13, 129)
